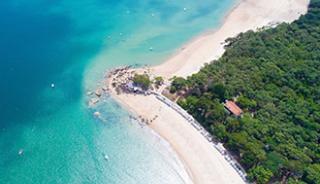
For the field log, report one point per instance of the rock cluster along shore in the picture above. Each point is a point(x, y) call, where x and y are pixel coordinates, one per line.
point(118, 79)
point(121, 80)
point(95, 96)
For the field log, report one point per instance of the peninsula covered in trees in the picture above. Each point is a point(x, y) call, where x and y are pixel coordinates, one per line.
point(274, 76)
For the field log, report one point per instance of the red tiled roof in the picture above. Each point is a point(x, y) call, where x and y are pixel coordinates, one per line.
point(233, 108)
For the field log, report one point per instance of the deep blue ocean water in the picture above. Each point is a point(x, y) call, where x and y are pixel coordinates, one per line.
point(71, 43)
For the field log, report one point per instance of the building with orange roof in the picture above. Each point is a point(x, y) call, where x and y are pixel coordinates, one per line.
point(233, 108)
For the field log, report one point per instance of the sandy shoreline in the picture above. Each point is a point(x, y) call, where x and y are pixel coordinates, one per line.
point(246, 15)
point(204, 163)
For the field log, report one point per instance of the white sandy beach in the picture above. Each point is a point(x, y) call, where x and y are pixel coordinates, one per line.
point(247, 15)
point(204, 163)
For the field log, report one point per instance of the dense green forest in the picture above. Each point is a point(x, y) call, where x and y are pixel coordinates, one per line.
point(274, 75)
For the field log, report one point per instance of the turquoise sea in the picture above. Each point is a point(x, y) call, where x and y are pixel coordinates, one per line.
point(71, 43)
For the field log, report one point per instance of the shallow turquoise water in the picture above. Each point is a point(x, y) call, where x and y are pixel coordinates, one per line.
point(71, 43)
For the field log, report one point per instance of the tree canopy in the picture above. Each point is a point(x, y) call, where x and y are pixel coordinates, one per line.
point(158, 81)
point(142, 81)
point(274, 75)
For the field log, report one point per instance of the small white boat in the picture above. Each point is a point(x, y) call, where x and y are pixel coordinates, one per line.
point(105, 156)
point(97, 114)
point(20, 152)
point(151, 49)
point(52, 85)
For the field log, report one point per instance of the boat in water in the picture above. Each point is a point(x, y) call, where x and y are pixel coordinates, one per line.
point(105, 156)
point(20, 152)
